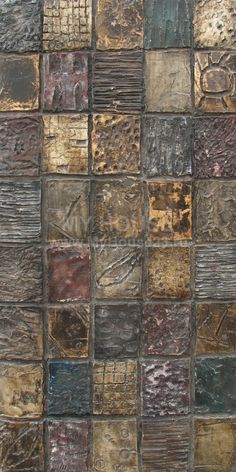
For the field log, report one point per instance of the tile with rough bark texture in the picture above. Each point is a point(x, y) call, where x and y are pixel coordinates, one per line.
point(165, 445)
point(65, 144)
point(116, 144)
point(118, 272)
point(168, 272)
point(68, 331)
point(117, 331)
point(119, 24)
point(67, 24)
point(68, 389)
point(115, 388)
point(21, 390)
point(20, 274)
point(216, 328)
point(167, 23)
point(19, 83)
point(115, 446)
point(215, 81)
point(166, 146)
point(21, 333)
point(21, 446)
point(68, 446)
point(118, 82)
point(65, 81)
point(168, 81)
point(215, 385)
point(165, 387)
point(166, 329)
point(68, 273)
point(67, 210)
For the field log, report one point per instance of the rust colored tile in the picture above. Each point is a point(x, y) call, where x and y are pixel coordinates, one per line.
point(19, 79)
point(21, 390)
point(115, 388)
point(169, 272)
point(215, 81)
point(115, 446)
point(116, 144)
point(68, 273)
point(68, 331)
point(119, 24)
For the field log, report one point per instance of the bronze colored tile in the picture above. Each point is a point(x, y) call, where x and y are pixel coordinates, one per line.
point(116, 144)
point(169, 272)
point(21, 390)
point(115, 388)
point(119, 24)
point(170, 211)
point(115, 446)
point(168, 81)
point(65, 144)
point(215, 81)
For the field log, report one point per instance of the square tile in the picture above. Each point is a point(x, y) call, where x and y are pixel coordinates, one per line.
point(115, 388)
point(116, 144)
point(166, 329)
point(168, 81)
point(68, 273)
point(68, 331)
point(67, 214)
point(170, 211)
point(117, 331)
point(69, 388)
point(165, 387)
point(65, 81)
point(166, 146)
point(19, 78)
point(168, 272)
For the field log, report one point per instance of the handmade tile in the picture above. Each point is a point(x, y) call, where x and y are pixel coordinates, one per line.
point(170, 211)
point(21, 331)
point(166, 329)
point(68, 273)
point(215, 275)
point(215, 218)
point(19, 79)
point(68, 331)
point(68, 388)
point(214, 24)
point(21, 390)
point(116, 144)
point(118, 272)
point(118, 212)
point(65, 81)
point(68, 446)
point(215, 385)
point(214, 147)
point(67, 210)
point(117, 331)
point(65, 144)
point(119, 24)
point(167, 23)
point(168, 272)
point(67, 24)
point(165, 387)
point(165, 445)
point(21, 446)
point(115, 388)
point(117, 82)
point(168, 81)
point(166, 146)
point(20, 274)
point(115, 446)
point(215, 81)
